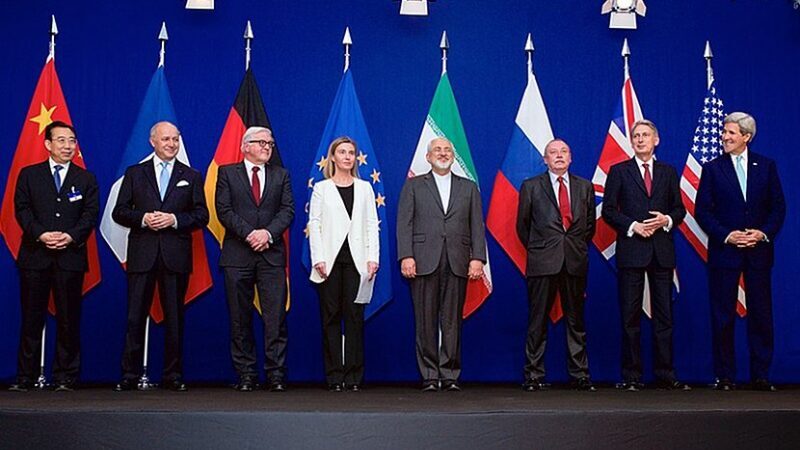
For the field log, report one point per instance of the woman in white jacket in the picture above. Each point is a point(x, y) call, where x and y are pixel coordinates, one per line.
point(343, 239)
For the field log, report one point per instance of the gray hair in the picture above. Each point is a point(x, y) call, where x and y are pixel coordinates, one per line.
point(647, 123)
point(746, 122)
point(439, 138)
point(252, 131)
point(155, 127)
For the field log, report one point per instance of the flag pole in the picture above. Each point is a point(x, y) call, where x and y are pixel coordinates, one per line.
point(347, 41)
point(248, 36)
point(144, 380)
point(41, 381)
point(529, 51)
point(444, 45)
point(708, 55)
point(626, 52)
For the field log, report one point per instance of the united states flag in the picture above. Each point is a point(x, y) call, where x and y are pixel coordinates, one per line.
point(706, 145)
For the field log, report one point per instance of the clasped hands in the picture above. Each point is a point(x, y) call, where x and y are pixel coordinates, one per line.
point(372, 269)
point(650, 226)
point(408, 267)
point(746, 239)
point(158, 220)
point(258, 240)
point(55, 240)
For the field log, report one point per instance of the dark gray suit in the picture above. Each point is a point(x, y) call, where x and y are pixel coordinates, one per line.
point(442, 244)
point(245, 268)
point(558, 261)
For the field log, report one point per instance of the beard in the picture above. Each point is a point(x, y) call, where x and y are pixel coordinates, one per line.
point(442, 165)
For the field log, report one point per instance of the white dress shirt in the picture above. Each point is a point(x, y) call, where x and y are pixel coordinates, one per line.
point(62, 172)
point(262, 174)
point(556, 185)
point(650, 164)
point(443, 183)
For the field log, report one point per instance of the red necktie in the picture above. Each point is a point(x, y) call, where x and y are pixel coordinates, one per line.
point(256, 185)
point(563, 204)
point(648, 180)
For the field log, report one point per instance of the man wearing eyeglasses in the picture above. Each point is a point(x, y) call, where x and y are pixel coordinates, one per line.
point(254, 203)
point(56, 205)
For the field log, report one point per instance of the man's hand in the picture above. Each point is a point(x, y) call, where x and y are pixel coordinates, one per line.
point(642, 229)
point(372, 269)
point(657, 221)
point(745, 239)
point(158, 220)
point(55, 240)
point(320, 268)
point(408, 267)
point(258, 240)
point(475, 269)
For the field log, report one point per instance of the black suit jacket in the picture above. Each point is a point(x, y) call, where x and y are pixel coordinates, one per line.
point(39, 208)
point(721, 208)
point(423, 228)
point(184, 197)
point(240, 215)
point(541, 230)
point(626, 201)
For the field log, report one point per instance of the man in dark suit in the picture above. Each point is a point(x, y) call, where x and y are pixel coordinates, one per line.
point(740, 206)
point(56, 204)
point(254, 203)
point(440, 243)
point(162, 201)
point(642, 202)
point(555, 222)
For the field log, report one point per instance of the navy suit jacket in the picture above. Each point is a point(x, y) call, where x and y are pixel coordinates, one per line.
point(721, 208)
point(240, 214)
point(39, 208)
point(625, 201)
point(139, 195)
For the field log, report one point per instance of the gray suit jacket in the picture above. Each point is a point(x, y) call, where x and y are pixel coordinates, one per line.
point(423, 229)
point(541, 230)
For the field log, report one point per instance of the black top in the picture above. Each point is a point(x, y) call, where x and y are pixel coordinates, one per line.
point(347, 193)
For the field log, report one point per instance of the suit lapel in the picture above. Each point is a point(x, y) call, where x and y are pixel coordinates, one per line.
point(431, 183)
point(633, 171)
point(241, 173)
point(730, 174)
point(150, 174)
point(268, 185)
point(177, 174)
point(68, 178)
point(574, 199)
point(455, 193)
point(548, 190)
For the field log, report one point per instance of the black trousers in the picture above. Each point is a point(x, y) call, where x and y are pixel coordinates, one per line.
point(438, 302)
point(336, 302)
point(241, 284)
point(171, 292)
point(723, 287)
point(631, 294)
point(35, 288)
point(541, 295)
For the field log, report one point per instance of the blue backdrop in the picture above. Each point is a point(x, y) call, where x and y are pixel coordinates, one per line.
point(107, 52)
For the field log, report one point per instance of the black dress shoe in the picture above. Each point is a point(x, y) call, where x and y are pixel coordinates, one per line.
point(176, 386)
point(22, 386)
point(723, 384)
point(630, 386)
point(534, 384)
point(125, 385)
point(673, 385)
point(762, 384)
point(354, 387)
point(335, 387)
point(584, 384)
point(430, 386)
point(451, 386)
point(245, 385)
point(64, 386)
point(277, 386)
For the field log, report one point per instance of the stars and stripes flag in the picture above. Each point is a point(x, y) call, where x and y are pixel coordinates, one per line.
point(444, 120)
point(47, 105)
point(524, 159)
point(247, 111)
point(156, 107)
point(706, 146)
point(346, 119)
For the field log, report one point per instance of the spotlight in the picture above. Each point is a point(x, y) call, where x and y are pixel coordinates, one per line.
point(199, 4)
point(623, 13)
point(414, 7)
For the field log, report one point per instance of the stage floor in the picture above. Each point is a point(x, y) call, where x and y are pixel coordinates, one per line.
point(392, 416)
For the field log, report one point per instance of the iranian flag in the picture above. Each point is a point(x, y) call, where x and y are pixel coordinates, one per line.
point(444, 121)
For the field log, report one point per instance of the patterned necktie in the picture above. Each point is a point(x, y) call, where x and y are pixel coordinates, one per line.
point(256, 185)
point(648, 179)
point(741, 175)
point(563, 204)
point(57, 177)
point(163, 179)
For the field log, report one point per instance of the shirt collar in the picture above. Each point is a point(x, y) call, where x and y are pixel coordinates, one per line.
point(445, 177)
point(249, 166)
point(745, 156)
point(554, 177)
point(157, 162)
point(53, 164)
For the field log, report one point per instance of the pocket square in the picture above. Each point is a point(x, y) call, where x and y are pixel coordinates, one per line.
point(182, 183)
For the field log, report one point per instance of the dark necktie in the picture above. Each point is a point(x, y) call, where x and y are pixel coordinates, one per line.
point(563, 204)
point(256, 185)
point(648, 180)
point(57, 177)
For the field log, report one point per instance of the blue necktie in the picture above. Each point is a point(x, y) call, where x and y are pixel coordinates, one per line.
point(163, 179)
point(741, 176)
point(57, 177)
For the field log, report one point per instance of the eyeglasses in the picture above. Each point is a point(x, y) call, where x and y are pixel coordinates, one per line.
point(63, 141)
point(262, 143)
